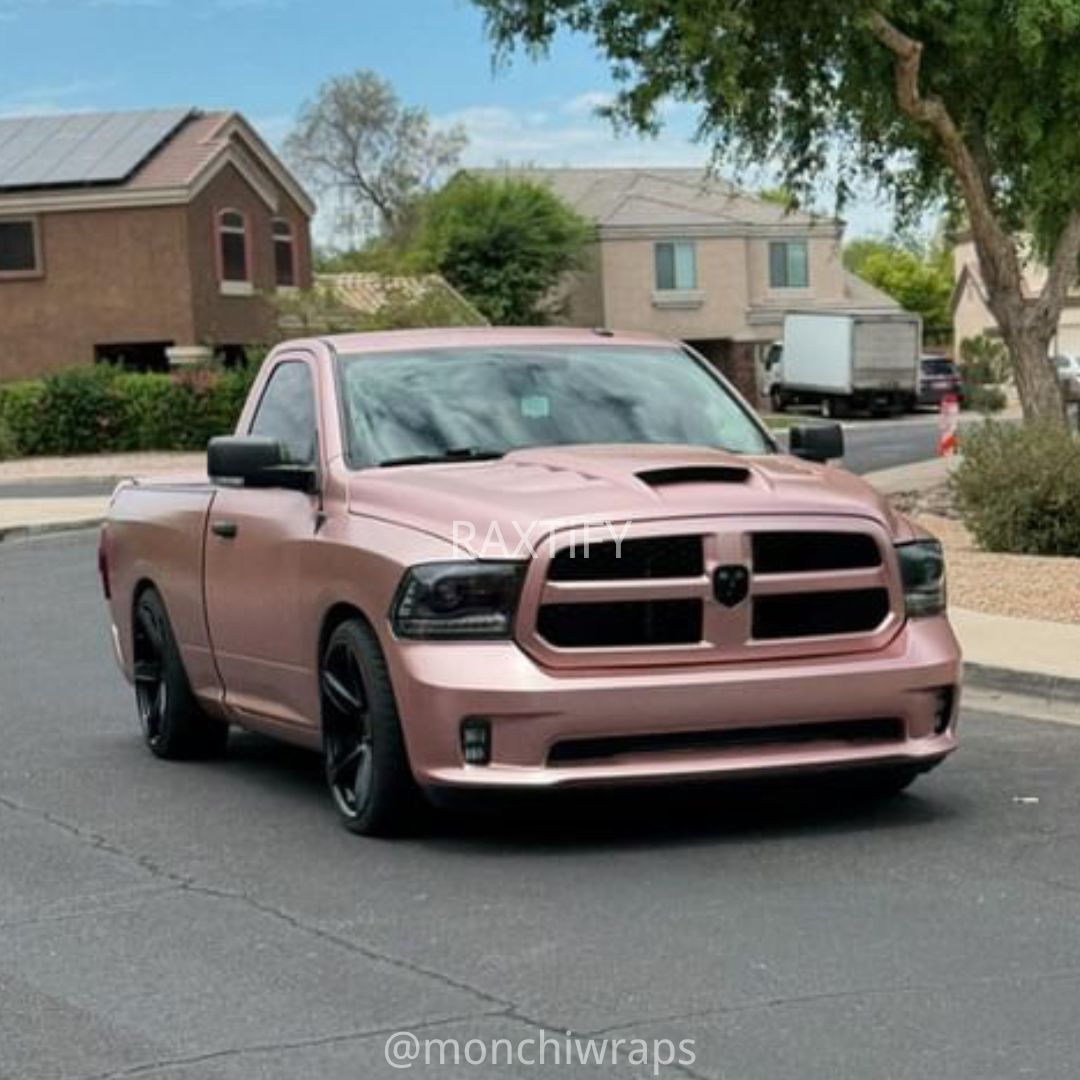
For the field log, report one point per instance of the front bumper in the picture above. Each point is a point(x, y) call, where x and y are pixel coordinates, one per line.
point(531, 708)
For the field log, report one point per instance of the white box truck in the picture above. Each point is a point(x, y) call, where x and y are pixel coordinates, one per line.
point(846, 362)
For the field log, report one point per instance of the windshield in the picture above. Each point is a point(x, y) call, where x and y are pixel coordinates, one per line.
point(460, 402)
point(934, 366)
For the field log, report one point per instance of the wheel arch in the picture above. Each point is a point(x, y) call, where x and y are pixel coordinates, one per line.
point(336, 614)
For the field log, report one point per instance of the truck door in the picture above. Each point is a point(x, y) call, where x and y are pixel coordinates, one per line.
point(260, 544)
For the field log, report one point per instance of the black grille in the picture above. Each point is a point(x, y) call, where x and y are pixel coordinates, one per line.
point(632, 560)
point(817, 614)
point(810, 552)
point(574, 751)
point(621, 624)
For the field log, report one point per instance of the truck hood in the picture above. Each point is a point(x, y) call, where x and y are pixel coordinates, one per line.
point(486, 508)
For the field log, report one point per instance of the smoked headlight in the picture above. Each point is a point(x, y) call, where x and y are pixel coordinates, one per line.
point(922, 572)
point(458, 600)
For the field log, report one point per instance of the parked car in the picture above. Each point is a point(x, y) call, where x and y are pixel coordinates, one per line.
point(939, 377)
point(843, 363)
point(527, 559)
point(1068, 366)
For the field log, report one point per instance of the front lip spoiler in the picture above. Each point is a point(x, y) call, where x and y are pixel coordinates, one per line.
point(676, 771)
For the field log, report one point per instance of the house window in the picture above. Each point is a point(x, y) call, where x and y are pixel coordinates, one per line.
point(676, 266)
point(19, 255)
point(284, 255)
point(233, 242)
point(789, 264)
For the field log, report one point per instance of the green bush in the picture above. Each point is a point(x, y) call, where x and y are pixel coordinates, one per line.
point(985, 399)
point(1018, 488)
point(984, 361)
point(100, 409)
point(21, 415)
point(9, 448)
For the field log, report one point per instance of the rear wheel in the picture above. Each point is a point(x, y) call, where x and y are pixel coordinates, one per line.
point(173, 724)
point(367, 765)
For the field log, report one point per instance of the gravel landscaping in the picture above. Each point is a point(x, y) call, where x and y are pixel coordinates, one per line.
point(1022, 586)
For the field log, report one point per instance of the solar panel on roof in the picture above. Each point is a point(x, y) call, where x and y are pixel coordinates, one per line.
point(84, 148)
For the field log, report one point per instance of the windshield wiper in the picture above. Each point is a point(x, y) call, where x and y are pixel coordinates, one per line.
point(460, 453)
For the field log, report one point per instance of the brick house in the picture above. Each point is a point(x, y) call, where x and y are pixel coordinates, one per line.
point(143, 238)
point(692, 258)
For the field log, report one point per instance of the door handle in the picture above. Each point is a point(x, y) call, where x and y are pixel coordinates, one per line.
point(225, 529)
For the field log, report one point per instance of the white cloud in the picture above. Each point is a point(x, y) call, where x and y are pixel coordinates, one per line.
point(568, 134)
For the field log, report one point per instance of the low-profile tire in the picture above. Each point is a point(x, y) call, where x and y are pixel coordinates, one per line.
point(174, 726)
point(366, 761)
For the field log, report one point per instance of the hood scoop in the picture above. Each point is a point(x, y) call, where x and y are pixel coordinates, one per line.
point(694, 474)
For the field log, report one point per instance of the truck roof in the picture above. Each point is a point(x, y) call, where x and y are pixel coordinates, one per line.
point(487, 336)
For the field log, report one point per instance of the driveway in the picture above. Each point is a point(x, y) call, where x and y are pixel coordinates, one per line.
point(213, 922)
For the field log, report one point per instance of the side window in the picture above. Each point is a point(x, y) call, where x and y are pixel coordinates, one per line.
point(286, 412)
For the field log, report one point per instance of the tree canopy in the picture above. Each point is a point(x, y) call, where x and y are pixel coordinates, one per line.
point(919, 278)
point(972, 101)
point(504, 242)
point(358, 141)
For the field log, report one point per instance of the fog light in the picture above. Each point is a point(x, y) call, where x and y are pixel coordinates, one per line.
point(476, 741)
point(944, 700)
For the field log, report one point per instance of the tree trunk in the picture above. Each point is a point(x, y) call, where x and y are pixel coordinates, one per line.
point(1036, 377)
point(1028, 324)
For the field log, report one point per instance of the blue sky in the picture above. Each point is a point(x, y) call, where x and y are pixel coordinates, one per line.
point(264, 57)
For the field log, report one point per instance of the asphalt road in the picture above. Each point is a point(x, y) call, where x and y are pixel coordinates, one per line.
point(213, 922)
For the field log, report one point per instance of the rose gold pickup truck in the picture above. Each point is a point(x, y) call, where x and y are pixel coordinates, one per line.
point(526, 559)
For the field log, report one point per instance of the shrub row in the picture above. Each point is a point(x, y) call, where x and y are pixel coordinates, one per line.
point(101, 408)
point(1018, 488)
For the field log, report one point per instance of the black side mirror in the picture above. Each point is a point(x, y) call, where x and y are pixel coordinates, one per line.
point(257, 461)
point(817, 442)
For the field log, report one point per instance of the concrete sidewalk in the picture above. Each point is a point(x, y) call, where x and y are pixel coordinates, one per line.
point(37, 511)
point(1003, 655)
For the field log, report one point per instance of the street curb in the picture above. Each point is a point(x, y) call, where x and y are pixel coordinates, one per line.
point(25, 532)
point(1031, 684)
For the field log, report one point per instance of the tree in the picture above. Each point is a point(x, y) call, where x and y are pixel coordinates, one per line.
point(357, 139)
point(919, 279)
point(970, 101)
point(504, 242)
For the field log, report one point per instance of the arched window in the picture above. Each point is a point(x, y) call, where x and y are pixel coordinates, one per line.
point(284, 254)
point(233, 246)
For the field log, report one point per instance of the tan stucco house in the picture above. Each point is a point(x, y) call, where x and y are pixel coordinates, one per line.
point(144, 238)
point(691, 257)
point(971, 312)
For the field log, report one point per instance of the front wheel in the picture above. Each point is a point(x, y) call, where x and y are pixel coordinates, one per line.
point(367, 765)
